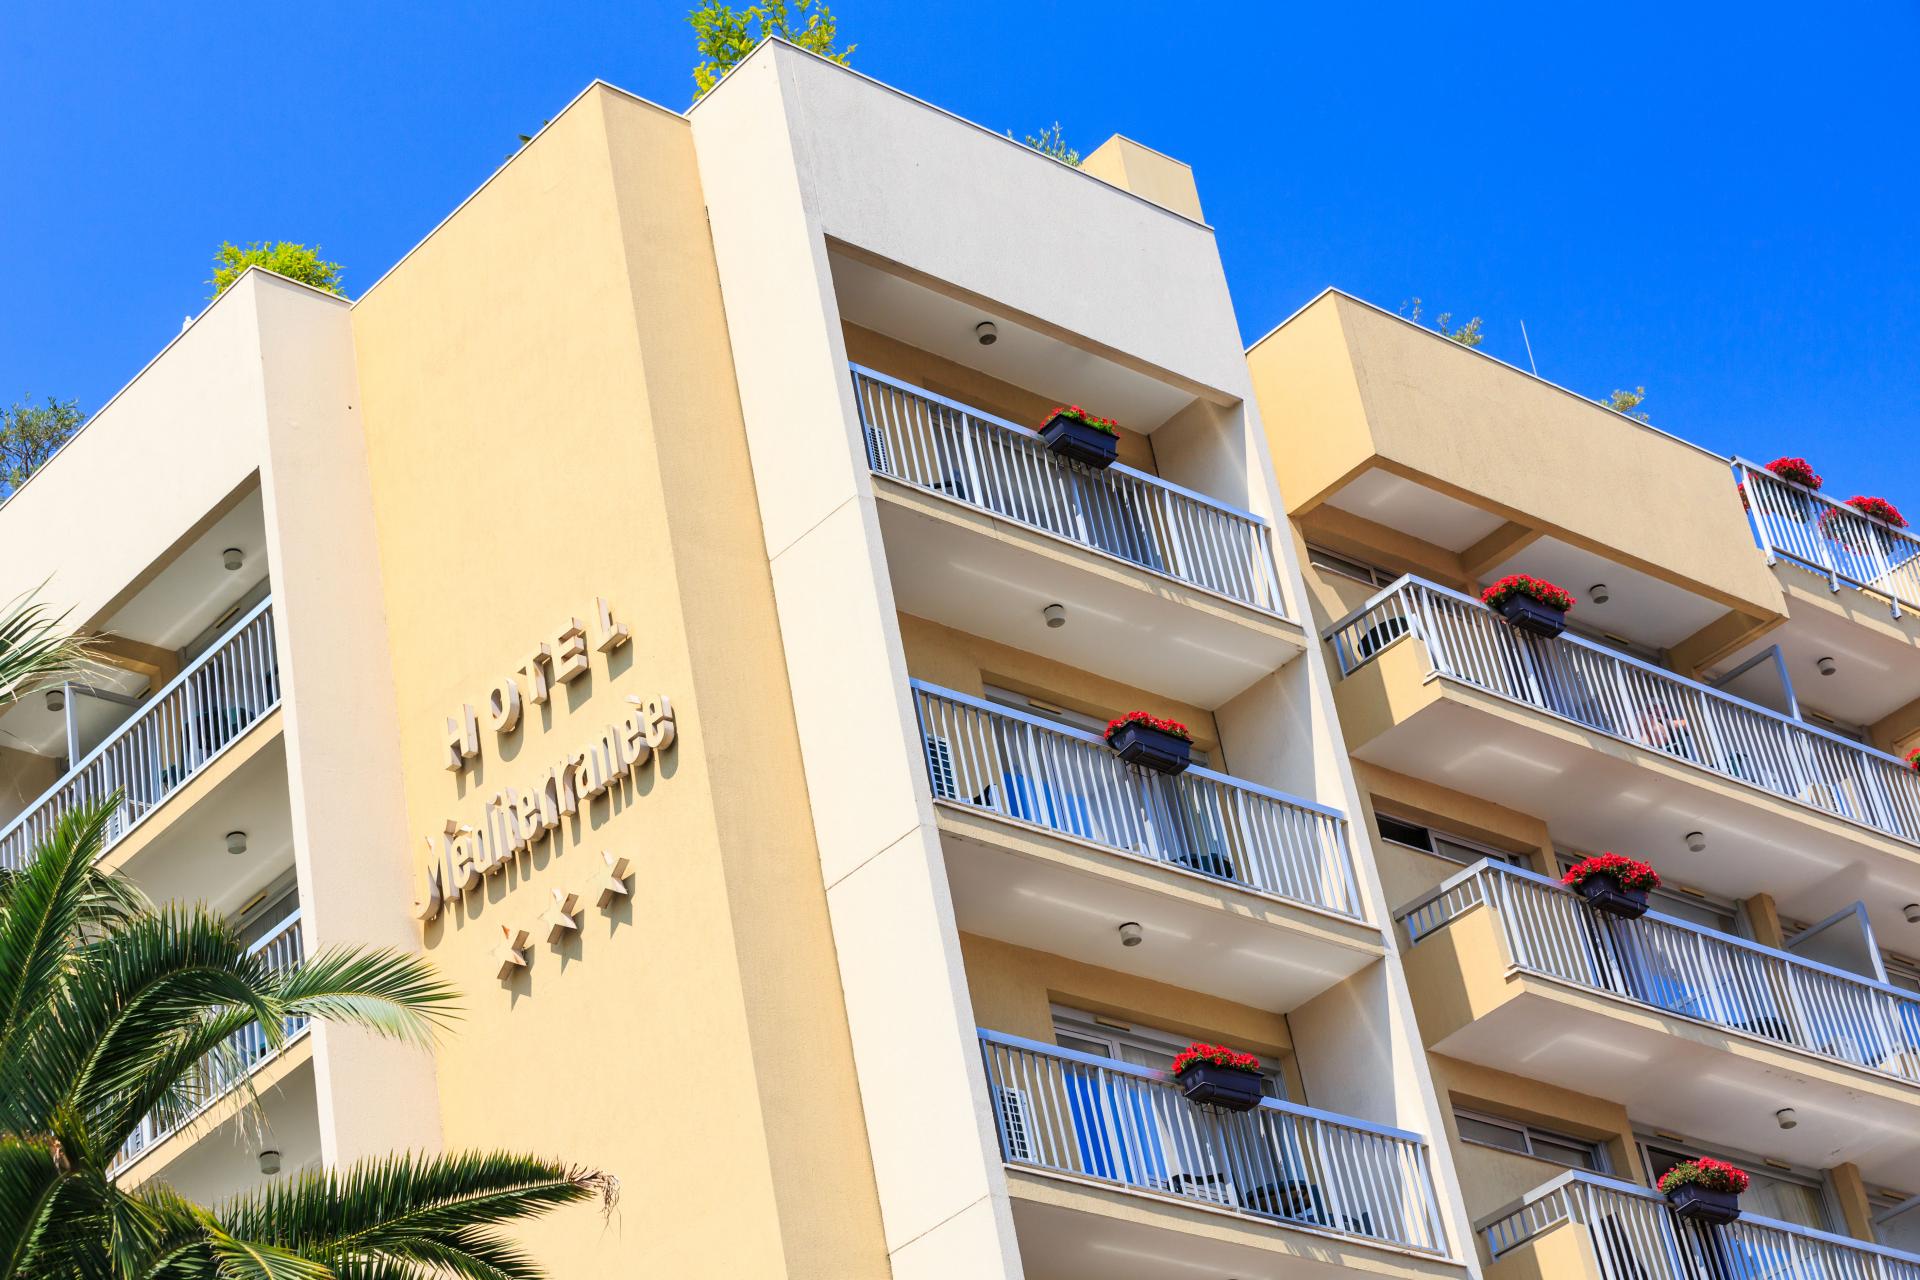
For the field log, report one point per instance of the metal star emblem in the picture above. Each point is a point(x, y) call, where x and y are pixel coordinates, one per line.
point(613, 884)
point(512, 951)
point(560, 918)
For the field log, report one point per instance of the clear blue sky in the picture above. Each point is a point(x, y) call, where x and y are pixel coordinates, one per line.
point(1717, 202)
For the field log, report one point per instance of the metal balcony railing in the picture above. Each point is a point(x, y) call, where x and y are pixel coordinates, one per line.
point(1590, 685)
point(986, 462)
point(245, 1051)
point(1831, 538)
point(1066, 780)
point(1681, 968)
point(223, 693)
point(1634, 1236)
point(1093, 1117)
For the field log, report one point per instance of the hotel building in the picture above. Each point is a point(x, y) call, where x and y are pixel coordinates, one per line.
point(651, 601)
point(1731, 702)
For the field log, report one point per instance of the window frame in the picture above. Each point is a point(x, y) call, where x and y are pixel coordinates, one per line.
point(1602, 1161)
point(1436, 834)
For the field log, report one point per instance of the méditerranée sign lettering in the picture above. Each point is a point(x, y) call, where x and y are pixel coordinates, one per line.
point(514, 820)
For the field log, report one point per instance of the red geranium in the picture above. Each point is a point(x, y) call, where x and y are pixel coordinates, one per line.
point(1078, 414)
point(1217, 1054)
point(1630, 872)
point(1706, 1173)
point(1522, 584)
point(1913, 759)
point(1173, 727)
point(1878, 509)
point(1798, 470)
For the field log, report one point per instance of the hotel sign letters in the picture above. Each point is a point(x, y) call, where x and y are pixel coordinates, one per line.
point(515, 819)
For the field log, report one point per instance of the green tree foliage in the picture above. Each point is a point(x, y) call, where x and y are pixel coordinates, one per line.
point(1628, 402)
point(1467, 334)
point(29, 435)
point(110, 1009)
point(1050, 142)
point(726, 35)
point(294, 261)
point(35, 647)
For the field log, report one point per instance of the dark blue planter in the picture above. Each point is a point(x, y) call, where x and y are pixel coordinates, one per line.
point(1075, 441)
point(1603, 893)
point(1529, 615)
point(1697, 1204)
point(1218, 1086)
point(1151, 748)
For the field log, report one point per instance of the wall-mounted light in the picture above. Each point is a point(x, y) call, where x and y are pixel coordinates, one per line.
point(236, 843)
point(1598, 593)
point(1130, 934)
point(1055, 614)
point(56, 699)
point(1827, 666)
point(269, 1162)
point(233, 558)
point(986, 333)
point(1696, 841)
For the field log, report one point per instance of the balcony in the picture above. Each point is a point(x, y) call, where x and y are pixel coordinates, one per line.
point(1832, 539)
point(204, 710)
point(1691, 1030)
point(1070, 1115)
point(1583, 1227)
point(1616, 753)
point(245, 1052)
point(1052, 841)
point(985, 527)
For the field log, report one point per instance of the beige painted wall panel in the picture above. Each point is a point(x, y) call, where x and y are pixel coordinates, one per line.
point(710, 1000)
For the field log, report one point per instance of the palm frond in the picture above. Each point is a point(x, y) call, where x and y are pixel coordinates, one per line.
point(46, 904)
point(390, 992)
point(29, 1177)
point(35, 646)
point(409, 1207)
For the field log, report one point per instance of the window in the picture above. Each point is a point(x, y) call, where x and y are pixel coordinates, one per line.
point(1439, 843)
point(1347, 567)
point(1798, 1196)
point(1137, 1045)
point(1527, 1140)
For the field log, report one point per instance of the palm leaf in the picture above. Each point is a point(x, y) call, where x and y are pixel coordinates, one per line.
point(391, 992)
point(35, 646)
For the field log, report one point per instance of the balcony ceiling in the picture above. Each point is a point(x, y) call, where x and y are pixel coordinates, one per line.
point(194, 589)
point(1427, 514)
point(225, 1160)
point(186, 859)
point(28, 725)
point(1876, 663)
point(1596, 793)
point(1674, 1076)
point(1640, 607)
point(935, 322)
point(1052, 895)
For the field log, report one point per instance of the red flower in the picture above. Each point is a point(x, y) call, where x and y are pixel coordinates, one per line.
point(1879, 509)
point(1630, 872)
point(1217, 1054)
point(1522, 584)
point(1150, 720)
point(1913, 759)
point(1798, 470)
point(1078, 414)
point(1706, 1173)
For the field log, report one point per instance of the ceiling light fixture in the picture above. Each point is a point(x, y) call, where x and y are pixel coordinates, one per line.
point(1696, 841)
point(233, 558)
point(986, 333)
point(1130, 934)
point(1827, 666)
point(269, 1162)
point(1598, 593)
point(56, 699)
point(236, 843)
point(1055, 614)
point(1786, 1118)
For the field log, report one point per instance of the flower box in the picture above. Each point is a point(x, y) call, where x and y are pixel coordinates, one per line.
point(1704, 1190)
point(1079, 436)
point(1695, 1203)
point(1529, 604)
point(1614, 884)
point(1165, 746)
point(1217, 1076)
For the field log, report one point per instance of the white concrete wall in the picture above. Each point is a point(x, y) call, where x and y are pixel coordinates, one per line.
point(179, 438)
point(343, 737)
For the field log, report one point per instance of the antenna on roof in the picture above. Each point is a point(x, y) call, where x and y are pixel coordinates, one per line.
point(1529, 342)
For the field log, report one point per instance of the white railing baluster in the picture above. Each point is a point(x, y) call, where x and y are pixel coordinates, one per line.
point(1039, 771)
point(972, 457)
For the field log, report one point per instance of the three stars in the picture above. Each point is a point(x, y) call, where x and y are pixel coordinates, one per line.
point(563, 917)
